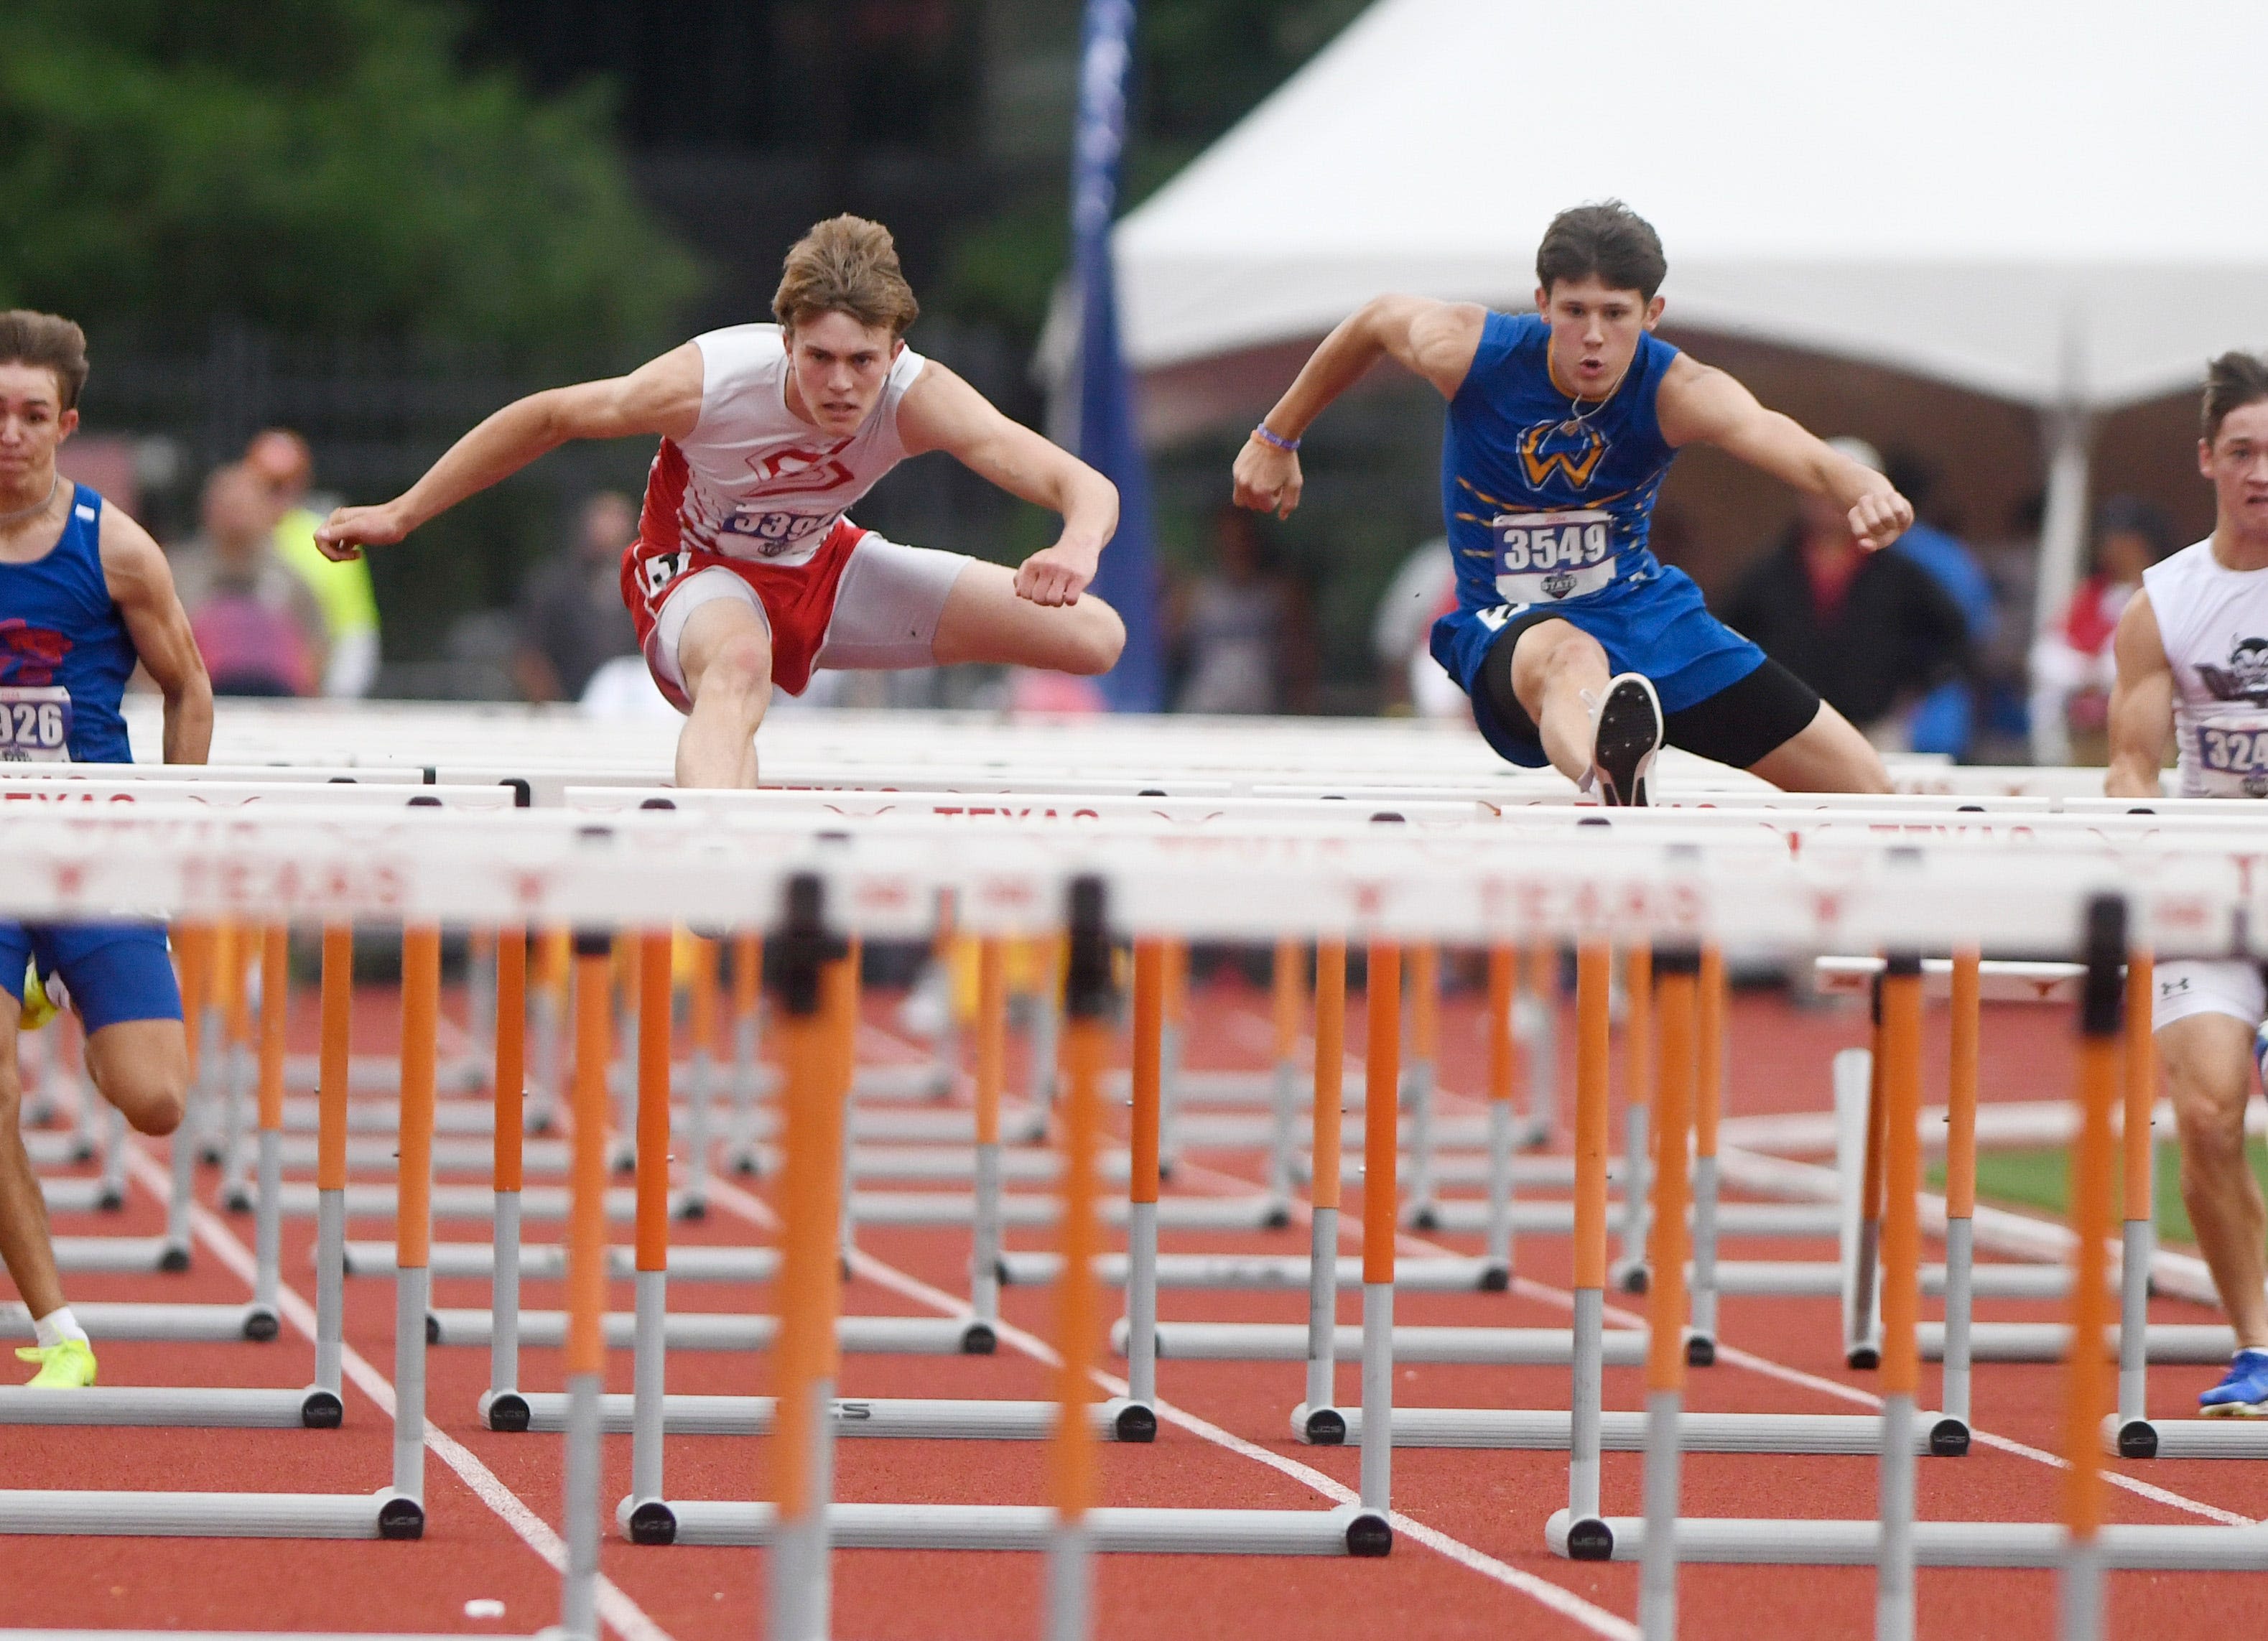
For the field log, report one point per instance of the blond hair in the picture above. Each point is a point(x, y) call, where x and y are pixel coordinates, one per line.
point(45, 342)
point(846, 265)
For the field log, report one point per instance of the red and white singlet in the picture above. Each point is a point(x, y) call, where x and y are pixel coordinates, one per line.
point(760, 495)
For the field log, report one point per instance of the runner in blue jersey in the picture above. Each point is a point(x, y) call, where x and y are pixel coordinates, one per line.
point(85, 594)
point(1577, 646)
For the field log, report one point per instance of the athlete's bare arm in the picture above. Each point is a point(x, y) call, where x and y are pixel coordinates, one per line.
point(1434, 340)
point(940, 411)
point(660, 398)
point(141, 583)
point(1699, 404)
point(2141, 705)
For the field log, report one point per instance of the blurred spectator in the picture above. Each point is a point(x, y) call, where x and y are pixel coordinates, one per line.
point(255, 623)
point(1945, 719)
point(1243, 630)
point(572, 618)
point(1871, 632)
point(341, 592)
point(2072, 665)
point(1423, 591)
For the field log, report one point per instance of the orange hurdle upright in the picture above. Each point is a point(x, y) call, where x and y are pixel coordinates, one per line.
point(1381, 1146)
point(1965, 1027)
point(502, 1407)
point(1287, 1000)
point(1637, 1098)
point(817, 1000)
point(2139, 1240)
point(1419, 1079)
point(413, 1228)
point(1708, 1106)
point(587, 1277)
point(651, 1279)
point(331, 1063)
point(1676, 973)
point(2085, 1386)
point(1318, 1414)
point(1087, 1002)
point(1900, 1081)
point(1503, 1079)
point(1145, 1143)
point(991, 1068)
point(267, 1230)
point(193, 956)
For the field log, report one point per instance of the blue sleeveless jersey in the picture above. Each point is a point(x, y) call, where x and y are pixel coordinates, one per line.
point(58, 627)
point(1548, 517)
point(1542, 508)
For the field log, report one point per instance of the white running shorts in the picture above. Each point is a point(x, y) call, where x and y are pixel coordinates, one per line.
point(2188, 988)
point(884, 618)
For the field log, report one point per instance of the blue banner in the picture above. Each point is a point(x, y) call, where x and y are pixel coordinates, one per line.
point(1108, 440)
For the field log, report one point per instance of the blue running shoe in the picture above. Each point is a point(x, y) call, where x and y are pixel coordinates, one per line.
point(2244, 1395)
point(2260, 1051)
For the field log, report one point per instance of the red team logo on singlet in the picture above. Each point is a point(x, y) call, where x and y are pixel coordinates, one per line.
point(792, 472)
point(29, 655)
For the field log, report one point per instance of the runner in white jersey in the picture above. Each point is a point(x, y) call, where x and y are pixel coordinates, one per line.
point(747, 572)
point(2193, 653)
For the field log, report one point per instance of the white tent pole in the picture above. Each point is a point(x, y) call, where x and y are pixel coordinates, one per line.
point(2063, 528)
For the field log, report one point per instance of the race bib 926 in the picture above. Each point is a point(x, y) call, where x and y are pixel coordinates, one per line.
point(35, 724)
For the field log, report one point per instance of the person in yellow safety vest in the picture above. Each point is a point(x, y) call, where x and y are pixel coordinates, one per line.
point(282, 459)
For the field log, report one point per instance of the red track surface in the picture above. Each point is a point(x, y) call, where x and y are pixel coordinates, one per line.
point(1468, 1560)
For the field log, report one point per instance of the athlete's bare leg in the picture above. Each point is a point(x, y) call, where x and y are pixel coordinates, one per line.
point(1828, 755)
point(140, 1066)
point(24, 1246)
point(985, 620)
point(725, 657)
point(1554, 665)
point(2208, 1061)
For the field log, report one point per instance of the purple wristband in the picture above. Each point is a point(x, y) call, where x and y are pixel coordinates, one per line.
point(1274, 440)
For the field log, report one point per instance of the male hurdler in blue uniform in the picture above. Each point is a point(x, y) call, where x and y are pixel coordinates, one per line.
point(85, 594)
point(1577, 646)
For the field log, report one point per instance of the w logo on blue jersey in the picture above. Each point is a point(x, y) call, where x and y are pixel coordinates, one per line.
point(1573, 452)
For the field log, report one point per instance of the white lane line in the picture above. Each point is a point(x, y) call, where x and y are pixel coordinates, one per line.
point(1350, 1232)
point(617, 1610)
point(1564, 1601)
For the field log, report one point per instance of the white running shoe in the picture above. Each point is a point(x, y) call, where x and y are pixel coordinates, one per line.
point(1625, 735)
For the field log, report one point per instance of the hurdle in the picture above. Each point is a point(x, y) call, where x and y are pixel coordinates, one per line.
point(2130, 1432)
point(2082, 1545)
point(393, 1512)
point(1587, 1430)
point(649, 1411)
point(814, 998)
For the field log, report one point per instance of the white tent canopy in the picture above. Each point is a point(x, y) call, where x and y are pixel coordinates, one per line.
point(2061, 205)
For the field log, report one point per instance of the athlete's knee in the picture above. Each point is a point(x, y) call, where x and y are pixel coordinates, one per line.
point(1096, 637)
point(142, 1067)
point(741, 667)
point(153, 1099)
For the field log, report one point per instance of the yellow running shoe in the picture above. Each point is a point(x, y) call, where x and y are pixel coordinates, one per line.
point(68, 1366)
point(38, 1007)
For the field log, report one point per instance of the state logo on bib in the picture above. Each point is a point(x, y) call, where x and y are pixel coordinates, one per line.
point(1546, 557)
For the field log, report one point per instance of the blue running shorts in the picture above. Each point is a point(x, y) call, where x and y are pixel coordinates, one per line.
point(114, 972)
point(1653, 623)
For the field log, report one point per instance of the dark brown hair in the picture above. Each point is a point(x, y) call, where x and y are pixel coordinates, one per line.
point(2231, 382)
point(1608, 240)
point(846, 265)
point(45, 342)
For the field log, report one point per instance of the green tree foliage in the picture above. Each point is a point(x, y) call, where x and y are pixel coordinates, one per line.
point(322, 167)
